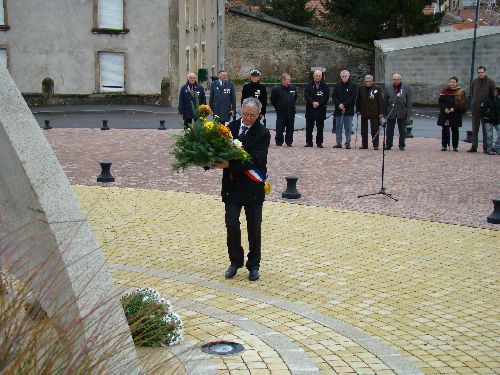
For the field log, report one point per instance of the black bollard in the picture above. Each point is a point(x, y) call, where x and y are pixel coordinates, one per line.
point(409, 127)
point(468, 138)
point(494, 217)
point(47, 125)
point(105, 125)
point(291, 189)
point(162, 125)
point(105, 175)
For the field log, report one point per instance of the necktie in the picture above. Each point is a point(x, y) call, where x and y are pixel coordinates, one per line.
point(243, 131)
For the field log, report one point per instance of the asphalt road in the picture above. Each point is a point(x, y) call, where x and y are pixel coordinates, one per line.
point(148, 117)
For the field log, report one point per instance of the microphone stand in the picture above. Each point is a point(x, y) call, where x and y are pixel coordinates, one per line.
point(382, 189)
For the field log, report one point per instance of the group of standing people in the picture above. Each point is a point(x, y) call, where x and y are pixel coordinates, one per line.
point(485, 108)
point(367, 100)
point(243, 180)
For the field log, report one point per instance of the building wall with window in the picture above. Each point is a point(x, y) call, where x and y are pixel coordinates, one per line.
point(201, 31)
point(106, 46)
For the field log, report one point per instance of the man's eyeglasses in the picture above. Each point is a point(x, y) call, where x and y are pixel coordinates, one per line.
point(250, 115)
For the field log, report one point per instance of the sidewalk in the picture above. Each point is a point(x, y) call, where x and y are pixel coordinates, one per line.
point(79, 109)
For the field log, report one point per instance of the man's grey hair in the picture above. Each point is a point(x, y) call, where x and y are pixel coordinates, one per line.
point(345, 72)
point(251, 102)
point(369, 77)
point(222, 70)
point(398, 75)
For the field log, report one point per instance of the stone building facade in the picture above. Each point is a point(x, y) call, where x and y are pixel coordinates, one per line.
point(427, 61)
point(109, 50)
point(257, 41)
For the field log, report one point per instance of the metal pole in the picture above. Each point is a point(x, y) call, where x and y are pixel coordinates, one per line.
point(473, 53)
point(218, 23)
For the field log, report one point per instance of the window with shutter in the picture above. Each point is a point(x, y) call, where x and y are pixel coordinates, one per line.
point(110, 14)
point(111, 72)
point(3, 57)
point(2, 13)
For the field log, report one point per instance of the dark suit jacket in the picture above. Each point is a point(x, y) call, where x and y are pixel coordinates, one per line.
point(370, 103)
point(321, 95)
point(186, 100)
point(237, 188)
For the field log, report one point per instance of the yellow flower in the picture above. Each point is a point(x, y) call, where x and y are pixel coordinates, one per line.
point(267, 188)
point(208, 125)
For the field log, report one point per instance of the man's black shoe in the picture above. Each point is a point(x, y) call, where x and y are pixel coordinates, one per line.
point(253, 275)
point(387, 147)
point(348, 147)
point(337, 146)
point(401, 148)
point(319, 146)
point(231, 272)
point(472, 149)
point(363, 148)
point(288, 145)
point(308, 145)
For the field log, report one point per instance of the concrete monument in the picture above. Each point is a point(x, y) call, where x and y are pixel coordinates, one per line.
point(45, 240)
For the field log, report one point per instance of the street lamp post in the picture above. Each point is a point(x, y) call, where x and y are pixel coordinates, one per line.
point(473, 51)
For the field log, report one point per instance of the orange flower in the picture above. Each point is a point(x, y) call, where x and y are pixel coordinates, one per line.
point(204, 110)
point(224, 130)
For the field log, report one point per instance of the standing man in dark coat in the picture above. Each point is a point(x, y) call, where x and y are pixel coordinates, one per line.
point(482, 92)
point(370, 105)
point(255, 89)
point(243, 189)
point(223, 97)
point(344, 97)
point(283, 98)
point(187, 99)
point(316, 94)
point(398, 104)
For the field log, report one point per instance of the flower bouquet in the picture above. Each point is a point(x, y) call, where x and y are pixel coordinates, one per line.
point(151, 319)
point(205, 143)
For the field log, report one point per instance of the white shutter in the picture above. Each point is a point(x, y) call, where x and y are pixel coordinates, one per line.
point(112, 71)
point(110, 14)
point(3, 57)
point(2, 15)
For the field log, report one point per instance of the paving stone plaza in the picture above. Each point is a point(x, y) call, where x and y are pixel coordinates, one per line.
point(348, 285)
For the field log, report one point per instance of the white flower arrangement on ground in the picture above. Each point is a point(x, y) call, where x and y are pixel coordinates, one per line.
point(151, 319)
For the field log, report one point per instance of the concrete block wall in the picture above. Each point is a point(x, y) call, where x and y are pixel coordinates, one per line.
point(428, 68)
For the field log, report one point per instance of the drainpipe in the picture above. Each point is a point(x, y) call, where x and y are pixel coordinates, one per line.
point(473, 53)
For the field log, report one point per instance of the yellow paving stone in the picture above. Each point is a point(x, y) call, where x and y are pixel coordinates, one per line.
point(413, 287)
point(280, 372)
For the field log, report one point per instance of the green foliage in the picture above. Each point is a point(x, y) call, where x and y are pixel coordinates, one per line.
point(205, 143)
point(367, 20)
point(292, 11)
point(151, 321)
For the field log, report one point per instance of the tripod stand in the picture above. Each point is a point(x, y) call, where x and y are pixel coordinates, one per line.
point(382, 189)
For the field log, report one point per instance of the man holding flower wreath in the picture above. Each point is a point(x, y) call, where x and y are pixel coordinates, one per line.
point(243, 187)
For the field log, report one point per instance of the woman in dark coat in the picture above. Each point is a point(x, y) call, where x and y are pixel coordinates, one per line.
point(453, 104)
